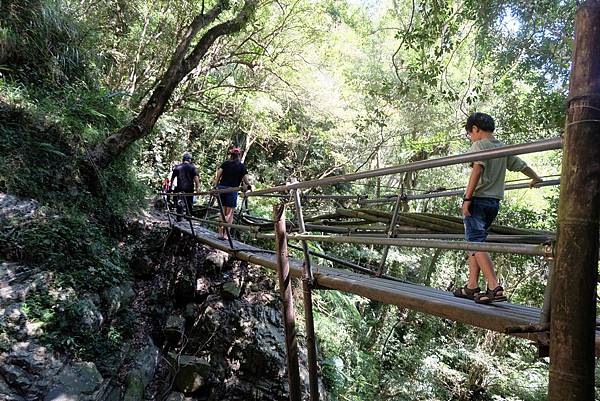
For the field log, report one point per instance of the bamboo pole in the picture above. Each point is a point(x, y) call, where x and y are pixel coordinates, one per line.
point(338, 261)
point(289, 316)
point(391, 230)
point(573, 317)
point(538, 146)
point(307, 282)
point(454, 192)
point(521, 249)
point(361, 215)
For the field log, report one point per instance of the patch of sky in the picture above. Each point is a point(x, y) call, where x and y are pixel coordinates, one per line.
point(509, 22)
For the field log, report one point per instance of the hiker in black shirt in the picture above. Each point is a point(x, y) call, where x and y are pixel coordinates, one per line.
point(187, 181)
point(231, 174)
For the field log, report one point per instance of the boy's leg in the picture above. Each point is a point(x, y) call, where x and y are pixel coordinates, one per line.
point(483, 258)
point(473, 272)
point(486, 265)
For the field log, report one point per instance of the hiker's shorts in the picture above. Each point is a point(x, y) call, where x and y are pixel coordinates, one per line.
point(228, 199)
point(483, 212)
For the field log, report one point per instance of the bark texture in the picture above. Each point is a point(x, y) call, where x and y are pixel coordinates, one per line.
point(573, 313)
point(182, 63)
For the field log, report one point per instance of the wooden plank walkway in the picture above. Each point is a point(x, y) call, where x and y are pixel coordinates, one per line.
point(432, 301)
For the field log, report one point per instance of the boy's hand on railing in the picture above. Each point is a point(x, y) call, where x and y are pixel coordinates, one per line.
point(534, 182)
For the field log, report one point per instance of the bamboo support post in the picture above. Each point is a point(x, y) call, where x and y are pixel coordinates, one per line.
point(302, 229)
point(289, 316)
point(307, 283)
point(573, 317)
point(391, 230)
point(166, 197)
point(546, 310)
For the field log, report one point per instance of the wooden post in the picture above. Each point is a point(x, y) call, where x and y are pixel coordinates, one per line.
point(391, 230)
point(544, 350)
point(289, 316)
point(573, 317)
point(166, 197)
point(307, 282)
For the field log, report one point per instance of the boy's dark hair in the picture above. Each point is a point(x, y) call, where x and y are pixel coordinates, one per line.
point(483, 121)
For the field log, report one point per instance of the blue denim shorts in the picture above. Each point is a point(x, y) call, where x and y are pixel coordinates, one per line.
point(228, 199)
point(483, 212)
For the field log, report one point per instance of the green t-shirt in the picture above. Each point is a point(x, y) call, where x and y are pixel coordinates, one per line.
point(491, 183)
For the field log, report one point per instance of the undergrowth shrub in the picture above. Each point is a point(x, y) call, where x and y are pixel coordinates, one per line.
point(82, 254)
point(40, 43)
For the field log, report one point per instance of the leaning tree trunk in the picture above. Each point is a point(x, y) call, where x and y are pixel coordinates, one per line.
point(112, 147)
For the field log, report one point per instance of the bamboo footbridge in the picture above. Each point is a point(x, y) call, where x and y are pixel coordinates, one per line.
point(377, 227)
point(568, 316)
point(498, 317)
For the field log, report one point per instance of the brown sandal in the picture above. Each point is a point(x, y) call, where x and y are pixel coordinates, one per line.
point(495, 295)
point(466, 292)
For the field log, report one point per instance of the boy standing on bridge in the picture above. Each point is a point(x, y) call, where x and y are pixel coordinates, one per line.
point(481, 202)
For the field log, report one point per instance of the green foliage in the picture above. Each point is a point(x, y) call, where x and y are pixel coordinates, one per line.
point(67, 243)
point(39, 43)
point(418, 357)
point(60, 314)
point(308, 89)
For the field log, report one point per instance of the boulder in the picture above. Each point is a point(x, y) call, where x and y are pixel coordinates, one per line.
point(13, 207)
point(146, 360)
point(134, 386)
point(86, 314)
point(191, 372)
point(144, 366)
point(7, 392)
point(13, 319)
point(175, 396)
point(191, 312)
point(185, 284)
point(14, 287)
point(117, 298)
point(230, 290)
point(78, 381)
point(142, 266)
point(215, 261)
point(174, 329)
point(27, 369)
point(202, 288)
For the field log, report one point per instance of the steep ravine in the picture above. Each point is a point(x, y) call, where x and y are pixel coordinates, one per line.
point(201, 326)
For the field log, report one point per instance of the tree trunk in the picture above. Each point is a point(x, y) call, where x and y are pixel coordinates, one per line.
point(573, 301)
point(112, 147)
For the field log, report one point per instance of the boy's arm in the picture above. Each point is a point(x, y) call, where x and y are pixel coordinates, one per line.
point(535, 179)
point(473, 180)
point(196, 183)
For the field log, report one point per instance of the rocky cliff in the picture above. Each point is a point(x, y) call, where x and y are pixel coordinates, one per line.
point(196, 325)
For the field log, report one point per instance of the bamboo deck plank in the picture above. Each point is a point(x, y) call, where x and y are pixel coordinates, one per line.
point(496, 317)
